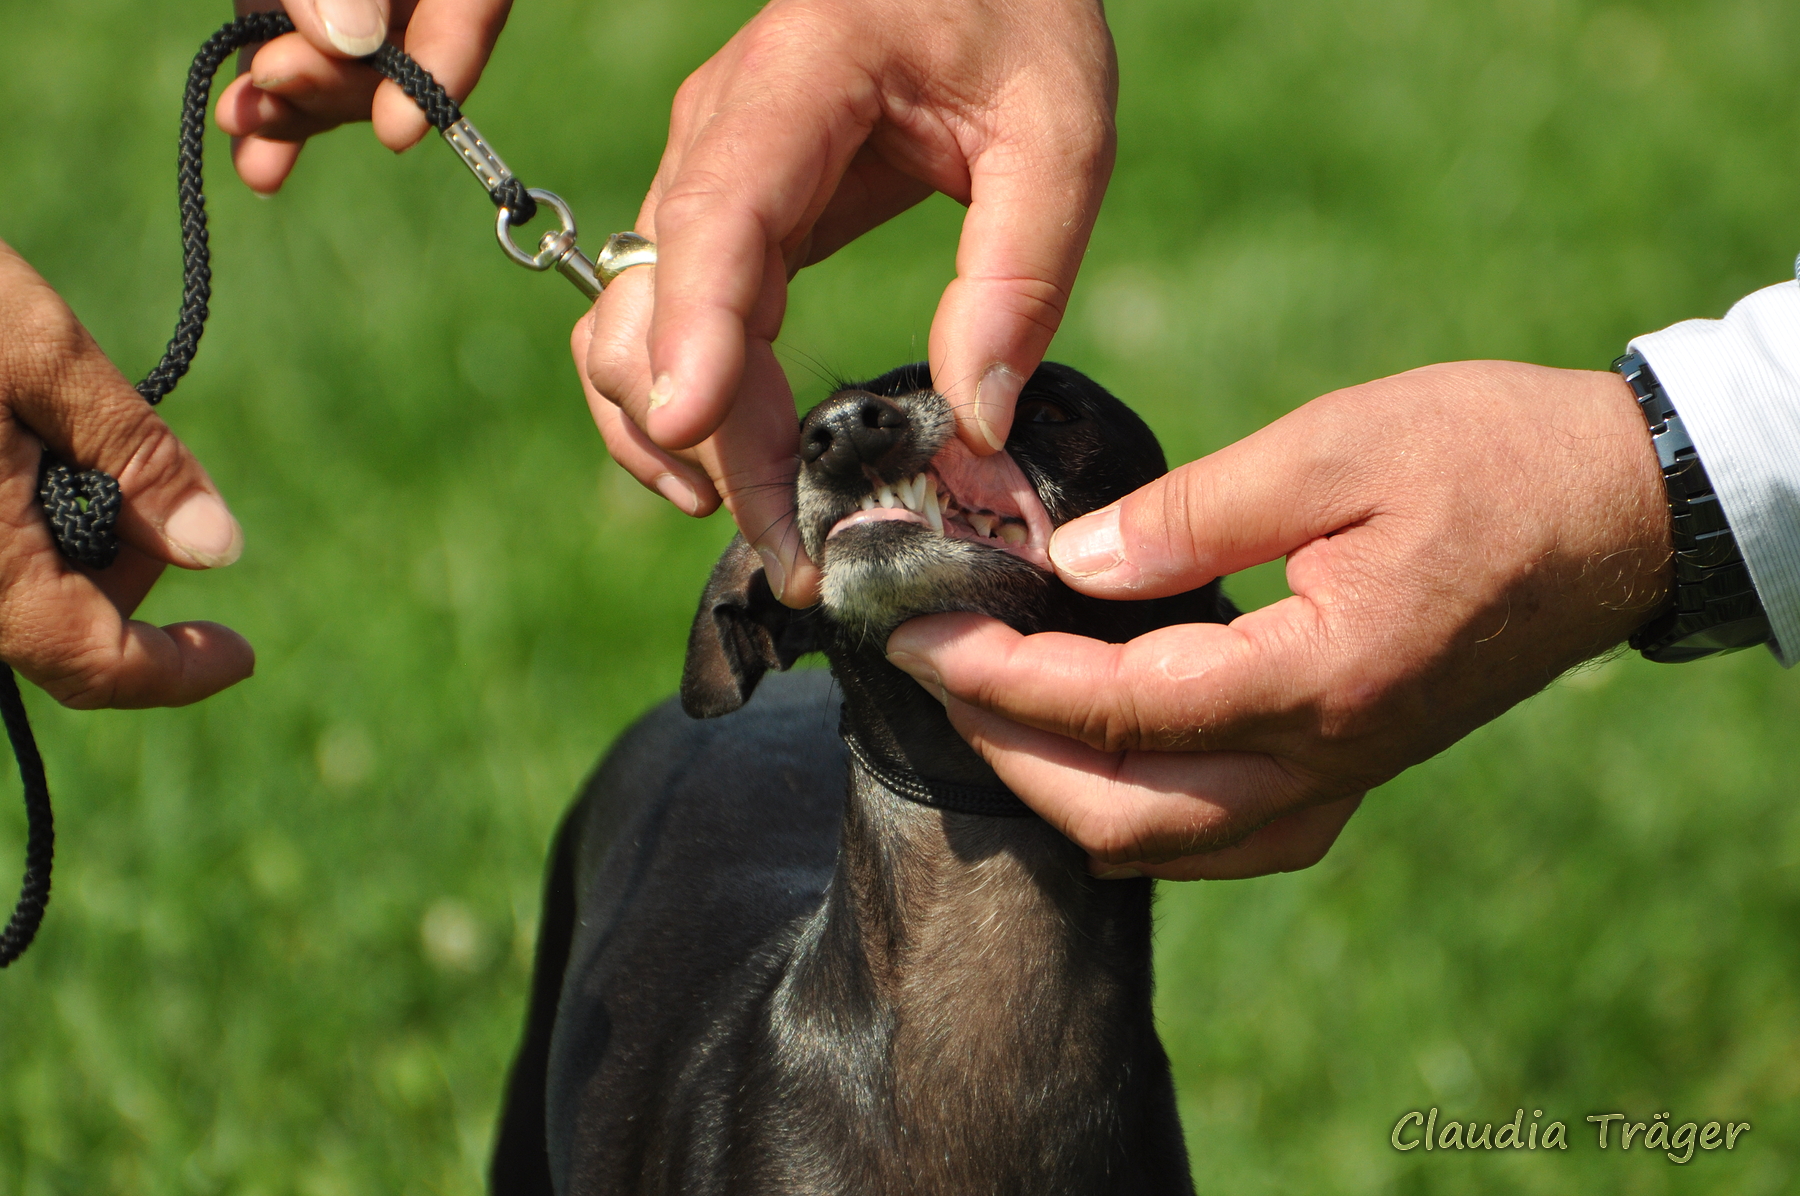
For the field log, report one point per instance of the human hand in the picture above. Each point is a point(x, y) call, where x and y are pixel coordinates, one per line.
point(820, 120)
point(305, 82)
point(1456, 538)
point(70, 629)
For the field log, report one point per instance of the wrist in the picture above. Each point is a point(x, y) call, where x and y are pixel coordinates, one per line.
point(1607, 516)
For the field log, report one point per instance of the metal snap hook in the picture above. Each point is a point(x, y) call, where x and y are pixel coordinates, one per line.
point(551, 246)
point(557, 248)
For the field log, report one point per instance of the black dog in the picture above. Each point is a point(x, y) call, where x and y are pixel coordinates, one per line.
point(748, 982)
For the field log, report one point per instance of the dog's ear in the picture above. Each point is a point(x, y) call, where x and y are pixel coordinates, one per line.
point(740, 632)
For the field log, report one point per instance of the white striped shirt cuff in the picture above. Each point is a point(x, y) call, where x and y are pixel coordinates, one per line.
point(1736, 383)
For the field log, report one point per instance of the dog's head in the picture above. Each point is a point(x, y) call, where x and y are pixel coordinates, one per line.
point(904, 520)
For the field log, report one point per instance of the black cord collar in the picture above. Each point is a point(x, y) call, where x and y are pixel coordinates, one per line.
point(990, 801)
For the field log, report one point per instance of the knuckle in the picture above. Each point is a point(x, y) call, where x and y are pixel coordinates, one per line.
point(1108, 835)
point(609, 372)
point(1172, 507)
point(79, 674)
point(43, 336)
point(1118, 721)
point(785, 37)
point(773, 38)
point(1089, 144)
point(154, 457)
point(690, 95)
point(1037, 302)
point(1116, 730)
point(1043, 315)
point(692, 196)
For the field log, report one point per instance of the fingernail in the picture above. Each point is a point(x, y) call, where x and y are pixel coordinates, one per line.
point(1089, 545)
point(1118, 874)
point(773, 573)
point(357, 27)
point(995, 395)
point(922, 672)
point(204, 531)
point(678, 492)
point(661, 391)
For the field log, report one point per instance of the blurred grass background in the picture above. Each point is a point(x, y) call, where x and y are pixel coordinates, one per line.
point(292, 925)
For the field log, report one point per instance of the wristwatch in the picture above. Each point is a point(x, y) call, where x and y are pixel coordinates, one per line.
point(1715, 604)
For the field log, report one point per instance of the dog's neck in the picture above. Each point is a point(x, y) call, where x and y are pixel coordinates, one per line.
point(901, 725)
point(1000, 994)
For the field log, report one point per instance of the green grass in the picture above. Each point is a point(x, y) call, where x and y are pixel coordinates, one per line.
point(291, 929)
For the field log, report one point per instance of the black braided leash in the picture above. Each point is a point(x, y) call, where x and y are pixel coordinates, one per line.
point(40, 832)
point(82, 506)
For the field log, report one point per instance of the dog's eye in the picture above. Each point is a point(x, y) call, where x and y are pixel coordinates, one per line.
point(1042, 411)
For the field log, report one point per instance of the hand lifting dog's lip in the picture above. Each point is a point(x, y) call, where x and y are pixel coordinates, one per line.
point(905, 520)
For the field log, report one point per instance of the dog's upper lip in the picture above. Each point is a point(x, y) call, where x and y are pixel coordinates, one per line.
point(986, 495)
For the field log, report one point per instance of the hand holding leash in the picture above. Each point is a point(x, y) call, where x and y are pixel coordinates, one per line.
point(83, 506)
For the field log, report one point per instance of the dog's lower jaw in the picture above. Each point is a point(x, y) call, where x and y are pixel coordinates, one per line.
point(878, 576)
point(964, 996)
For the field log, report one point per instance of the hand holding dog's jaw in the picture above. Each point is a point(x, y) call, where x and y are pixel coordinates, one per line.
point(1446, 564)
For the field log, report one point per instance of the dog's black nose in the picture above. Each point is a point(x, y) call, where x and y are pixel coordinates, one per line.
point(850, 430)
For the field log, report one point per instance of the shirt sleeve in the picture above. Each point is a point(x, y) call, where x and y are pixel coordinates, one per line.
point(1736, 383)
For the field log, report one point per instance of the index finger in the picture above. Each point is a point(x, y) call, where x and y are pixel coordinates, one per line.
point(1137, 807)
point(1197, 686)
point(754, 176)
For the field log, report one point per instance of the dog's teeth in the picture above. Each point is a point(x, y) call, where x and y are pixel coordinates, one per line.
point(983, 524)
point(885, 496)
point(1014, 534)
point(868, 502)
point(909, 495)
point(933, 514)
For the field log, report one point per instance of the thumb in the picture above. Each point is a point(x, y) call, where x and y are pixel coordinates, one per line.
point(341, 28)
point(1028, 223)
point(63, 388)
point(1254, 501)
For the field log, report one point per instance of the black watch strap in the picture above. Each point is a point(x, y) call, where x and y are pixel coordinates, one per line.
point(1715, 606)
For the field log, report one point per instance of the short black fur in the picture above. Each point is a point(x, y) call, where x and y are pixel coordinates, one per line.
point(762, 971)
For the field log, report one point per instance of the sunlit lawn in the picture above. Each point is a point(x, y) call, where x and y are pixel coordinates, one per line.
point(291, 928)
